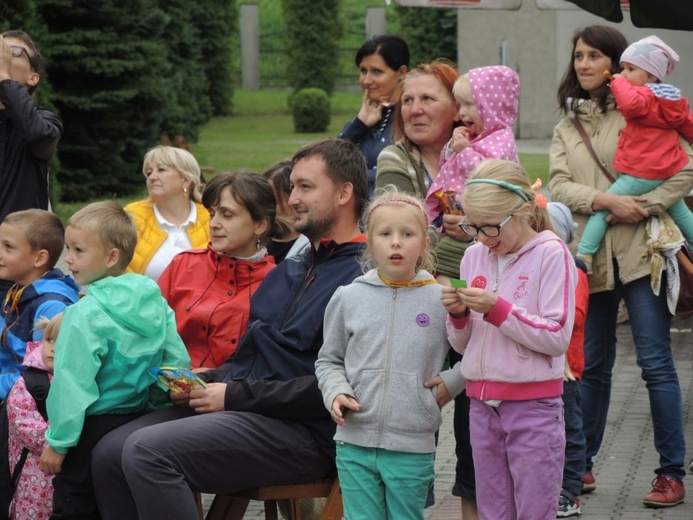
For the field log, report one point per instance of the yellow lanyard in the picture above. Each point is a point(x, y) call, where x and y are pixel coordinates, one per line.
point(399, 285)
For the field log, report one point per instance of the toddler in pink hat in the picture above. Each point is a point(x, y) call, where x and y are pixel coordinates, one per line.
point(649, 149)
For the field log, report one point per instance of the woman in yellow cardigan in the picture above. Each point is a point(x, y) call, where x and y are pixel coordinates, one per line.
point(172, 219)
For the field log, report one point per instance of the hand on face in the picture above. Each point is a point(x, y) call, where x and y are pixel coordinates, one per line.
point(5, 59)
point(460, 138)
point(371, 112)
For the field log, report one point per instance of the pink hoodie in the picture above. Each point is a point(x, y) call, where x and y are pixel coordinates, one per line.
point(33, 498)
point(496, 92)
point(515, 352)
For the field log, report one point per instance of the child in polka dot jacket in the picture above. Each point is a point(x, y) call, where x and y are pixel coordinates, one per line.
point(487, 99)
point(33, 497)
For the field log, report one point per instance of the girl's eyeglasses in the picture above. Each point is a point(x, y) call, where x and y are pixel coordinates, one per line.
point(489, 230)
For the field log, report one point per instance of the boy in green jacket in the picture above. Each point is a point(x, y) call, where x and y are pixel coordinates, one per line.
point(108, 341)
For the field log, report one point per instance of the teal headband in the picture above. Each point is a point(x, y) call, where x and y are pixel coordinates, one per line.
point(503, 184)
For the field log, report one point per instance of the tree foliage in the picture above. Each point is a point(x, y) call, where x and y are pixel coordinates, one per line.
point(217, 22)
point(311, 110)
point(120, 73)
point(107, 68)
point(430, 33)
point(313, 33)
point(188, 105)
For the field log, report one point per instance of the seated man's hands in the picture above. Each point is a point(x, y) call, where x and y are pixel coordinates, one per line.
point(210, 399)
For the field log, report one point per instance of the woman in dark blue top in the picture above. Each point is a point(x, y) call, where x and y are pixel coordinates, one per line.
point(382, 61)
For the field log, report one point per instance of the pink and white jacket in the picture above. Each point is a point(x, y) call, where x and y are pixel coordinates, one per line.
point(496, 93)
point(33, 498)
point(516, 351)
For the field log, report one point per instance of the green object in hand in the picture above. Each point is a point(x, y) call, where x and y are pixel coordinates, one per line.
point(458, 284)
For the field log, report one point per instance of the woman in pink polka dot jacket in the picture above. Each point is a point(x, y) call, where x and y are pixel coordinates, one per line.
point(487, 100)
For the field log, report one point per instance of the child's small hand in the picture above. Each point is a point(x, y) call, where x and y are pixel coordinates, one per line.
point(479, 300)
point(443, 396)
point(341, 405)
point(460, 139)
point(51, 461)
point(450, 298)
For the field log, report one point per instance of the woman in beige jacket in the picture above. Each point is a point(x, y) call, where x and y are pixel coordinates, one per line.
point(619, 269)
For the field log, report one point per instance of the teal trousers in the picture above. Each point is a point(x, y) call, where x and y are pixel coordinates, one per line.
point(379, 484)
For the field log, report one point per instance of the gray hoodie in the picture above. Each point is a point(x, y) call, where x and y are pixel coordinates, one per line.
point(380, 345)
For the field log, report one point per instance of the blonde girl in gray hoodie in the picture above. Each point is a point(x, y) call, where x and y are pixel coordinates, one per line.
point(378, 368)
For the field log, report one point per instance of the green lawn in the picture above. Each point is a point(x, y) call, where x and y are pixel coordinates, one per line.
point(261, 133)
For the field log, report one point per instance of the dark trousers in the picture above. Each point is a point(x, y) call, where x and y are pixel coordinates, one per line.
point(73, 495)
point(465, 480)
point(148, 468)
point(574, 466)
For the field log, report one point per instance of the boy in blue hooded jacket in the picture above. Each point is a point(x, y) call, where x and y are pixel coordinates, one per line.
point(31, 242)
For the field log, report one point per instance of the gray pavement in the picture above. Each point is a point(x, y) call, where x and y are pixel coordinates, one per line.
point(624, 468)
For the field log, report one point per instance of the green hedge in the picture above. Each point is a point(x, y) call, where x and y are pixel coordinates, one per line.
point(311, 110)
point(313, 33)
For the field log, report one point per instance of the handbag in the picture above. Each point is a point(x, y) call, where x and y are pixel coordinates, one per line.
point(684, 305)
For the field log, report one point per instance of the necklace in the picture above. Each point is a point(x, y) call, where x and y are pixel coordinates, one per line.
point(410, 283)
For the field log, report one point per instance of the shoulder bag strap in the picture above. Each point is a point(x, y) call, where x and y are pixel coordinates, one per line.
point(420, 173)
point(588, 143)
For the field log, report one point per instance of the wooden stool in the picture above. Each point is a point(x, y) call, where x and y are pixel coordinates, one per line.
point(234, 505)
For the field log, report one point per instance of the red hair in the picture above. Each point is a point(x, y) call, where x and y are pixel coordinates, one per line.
point(443, 70)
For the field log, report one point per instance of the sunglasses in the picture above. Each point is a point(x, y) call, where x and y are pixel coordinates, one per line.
point(17, 52)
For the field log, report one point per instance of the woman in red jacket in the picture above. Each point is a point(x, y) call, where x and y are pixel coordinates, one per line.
point(210, 289)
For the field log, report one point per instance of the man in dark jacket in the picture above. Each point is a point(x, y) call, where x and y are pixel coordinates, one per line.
point(261, 419)
point(29, 135)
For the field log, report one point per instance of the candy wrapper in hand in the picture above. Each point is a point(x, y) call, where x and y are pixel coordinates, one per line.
point(178, 379)
point(448, 202)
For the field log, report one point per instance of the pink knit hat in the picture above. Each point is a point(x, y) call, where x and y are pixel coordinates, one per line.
point(652, 55)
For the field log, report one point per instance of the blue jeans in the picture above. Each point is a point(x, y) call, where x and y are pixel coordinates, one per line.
point(650, 323)
point(574, 466)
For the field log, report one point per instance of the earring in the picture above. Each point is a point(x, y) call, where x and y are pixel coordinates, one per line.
point(258, 243)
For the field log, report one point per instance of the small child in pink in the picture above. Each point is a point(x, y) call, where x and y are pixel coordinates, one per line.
point(487, 100)
point(33, 497)
point(649, 149)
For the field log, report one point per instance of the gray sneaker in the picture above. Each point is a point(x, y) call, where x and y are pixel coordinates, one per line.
point(568, 507)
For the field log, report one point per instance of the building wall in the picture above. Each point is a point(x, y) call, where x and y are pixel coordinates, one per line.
point(538, 48)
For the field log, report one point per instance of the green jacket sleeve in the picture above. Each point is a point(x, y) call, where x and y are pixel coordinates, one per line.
point(78, 353)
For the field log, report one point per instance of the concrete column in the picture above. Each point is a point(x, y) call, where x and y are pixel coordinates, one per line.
point(375, 21)
point(250, 46)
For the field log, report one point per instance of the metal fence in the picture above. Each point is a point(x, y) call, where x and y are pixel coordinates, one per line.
point(273, 58)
